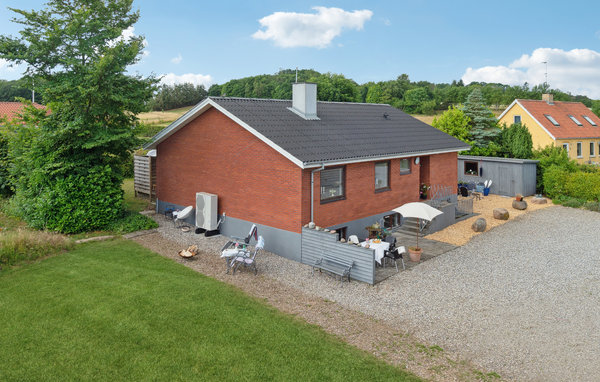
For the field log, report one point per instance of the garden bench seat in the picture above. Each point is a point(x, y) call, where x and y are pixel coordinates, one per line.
point(339, 267)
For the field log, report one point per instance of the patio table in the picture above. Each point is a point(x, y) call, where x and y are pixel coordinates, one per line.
point(379, 248)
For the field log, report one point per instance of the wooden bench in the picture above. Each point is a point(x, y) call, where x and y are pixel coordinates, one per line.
point(339, 267)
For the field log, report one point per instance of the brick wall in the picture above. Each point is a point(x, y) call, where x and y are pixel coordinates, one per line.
point(362, 200)
point(214, 154)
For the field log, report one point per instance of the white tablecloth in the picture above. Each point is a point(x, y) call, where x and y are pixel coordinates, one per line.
point(379, 248)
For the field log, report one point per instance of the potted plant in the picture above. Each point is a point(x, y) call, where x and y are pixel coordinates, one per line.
point(423, 191)
point(415, 254)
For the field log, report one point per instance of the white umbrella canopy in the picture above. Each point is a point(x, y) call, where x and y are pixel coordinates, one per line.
point(418, 210)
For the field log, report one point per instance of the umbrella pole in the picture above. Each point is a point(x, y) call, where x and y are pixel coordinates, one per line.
point(418, 229)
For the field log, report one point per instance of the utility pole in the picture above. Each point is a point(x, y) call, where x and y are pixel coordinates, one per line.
point(546, 73)
point(32, 91)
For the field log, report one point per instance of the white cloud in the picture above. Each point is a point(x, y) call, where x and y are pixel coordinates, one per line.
point(291, 29)
point(177, 60)
point(196, 79)
point(576, 71)
point(127, 35)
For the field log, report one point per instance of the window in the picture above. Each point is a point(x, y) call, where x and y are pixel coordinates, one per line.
point(566, 147)
point(551, 119)
point(575, 120)
point(589, 120)
point(382, 176)
point(391, 221)
point(579, 154)
point(404, 166)
point(592, 147)
point(517, 119)
point(342, 233)
point(332, 184)
point(471, 168)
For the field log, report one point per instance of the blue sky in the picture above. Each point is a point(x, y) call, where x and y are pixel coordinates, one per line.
point(440, 41)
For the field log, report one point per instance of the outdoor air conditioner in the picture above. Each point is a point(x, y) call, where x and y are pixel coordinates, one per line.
point(206, 211)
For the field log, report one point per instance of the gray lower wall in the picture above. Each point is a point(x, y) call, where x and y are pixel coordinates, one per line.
point(281, 242)
point(444, 220)
point(315, 244)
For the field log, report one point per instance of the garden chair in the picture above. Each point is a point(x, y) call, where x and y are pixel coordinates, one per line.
point(394, 253)
point(353, 239)
point(247, 258)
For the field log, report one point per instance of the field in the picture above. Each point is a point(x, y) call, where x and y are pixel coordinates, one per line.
point(162, 117)
point(114, 311)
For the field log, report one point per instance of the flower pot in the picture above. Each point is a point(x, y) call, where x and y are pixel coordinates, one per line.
point(423, 196)
point(415, 254)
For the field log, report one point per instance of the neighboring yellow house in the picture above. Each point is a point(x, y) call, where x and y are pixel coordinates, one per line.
point(570, 125)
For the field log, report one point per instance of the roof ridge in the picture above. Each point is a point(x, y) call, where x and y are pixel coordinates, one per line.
point(541, 100)
point(289, 100)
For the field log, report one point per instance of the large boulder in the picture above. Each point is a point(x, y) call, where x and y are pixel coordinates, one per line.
point(519, 205)
point(479, 225)
point(539, 200)
point(500, 214)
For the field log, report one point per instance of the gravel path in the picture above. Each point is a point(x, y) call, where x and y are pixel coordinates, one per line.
point(522, 299)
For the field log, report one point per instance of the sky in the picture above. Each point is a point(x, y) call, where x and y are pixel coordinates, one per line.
point(511, 42)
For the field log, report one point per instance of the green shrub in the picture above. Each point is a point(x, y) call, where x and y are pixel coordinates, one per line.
point(551, 156)
point(73, 204)
point(131, 222)
point(569, 201)
point(24, 245)
point(555, 179)
point(584, 185)
point(5, 183)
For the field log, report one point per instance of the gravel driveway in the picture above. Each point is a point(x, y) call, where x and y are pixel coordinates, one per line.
point(522, 299)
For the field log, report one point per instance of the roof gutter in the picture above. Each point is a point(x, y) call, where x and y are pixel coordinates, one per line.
point(312, 190)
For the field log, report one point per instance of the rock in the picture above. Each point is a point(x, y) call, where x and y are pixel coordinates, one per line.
point(539, 200)
point(519, 205)
point(500, 214)
point(311, 225)
point(342, 240)
point(479, 225)
point(317, 228)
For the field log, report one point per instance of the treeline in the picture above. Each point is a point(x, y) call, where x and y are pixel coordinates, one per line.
point(420, 97)
point(11, 90)
point(175, 96)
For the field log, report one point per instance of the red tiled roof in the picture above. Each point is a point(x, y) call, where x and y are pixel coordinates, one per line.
point(560, 111)
point(11, 109)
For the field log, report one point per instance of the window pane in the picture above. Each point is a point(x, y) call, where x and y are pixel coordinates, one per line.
point(332, 183)
point(517, 119)
point(471, 168)
point(589, 120)
point(404, 166)
point(552, 119)
point(578, 149)
point(381, 175)
point(592, 153)
point(566, 147)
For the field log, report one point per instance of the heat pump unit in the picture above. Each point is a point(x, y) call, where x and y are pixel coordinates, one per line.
point(206, 211)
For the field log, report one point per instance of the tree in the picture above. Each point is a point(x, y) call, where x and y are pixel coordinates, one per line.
point(454, 122)
point(71, 169)
point(484, 128)
point(516, 141)
point(414, 99)
point(178, 95)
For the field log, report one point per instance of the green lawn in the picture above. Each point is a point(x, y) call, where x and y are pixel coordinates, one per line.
point(131, 202)
point(113, 311)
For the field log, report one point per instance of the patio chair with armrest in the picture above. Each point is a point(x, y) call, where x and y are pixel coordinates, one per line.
point(248, 258)
point(237, 245)
point(394, 253)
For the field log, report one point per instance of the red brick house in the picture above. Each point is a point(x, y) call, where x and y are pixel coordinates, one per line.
point(283, 163)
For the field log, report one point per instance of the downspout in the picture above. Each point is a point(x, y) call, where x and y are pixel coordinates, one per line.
point(312, 190)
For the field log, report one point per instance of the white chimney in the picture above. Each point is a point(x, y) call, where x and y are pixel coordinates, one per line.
point(304, 100)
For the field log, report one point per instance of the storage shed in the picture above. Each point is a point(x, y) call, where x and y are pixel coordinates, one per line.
point(509, 176)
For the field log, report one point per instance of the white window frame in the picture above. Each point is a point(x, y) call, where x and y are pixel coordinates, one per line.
point(566, 147)
point(405, 172)
point(387, 176)
point(592, 149)
point(579, 149)
point(515, 119)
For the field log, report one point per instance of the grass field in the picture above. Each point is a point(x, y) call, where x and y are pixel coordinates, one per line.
point(163, 117)
point(114, 311)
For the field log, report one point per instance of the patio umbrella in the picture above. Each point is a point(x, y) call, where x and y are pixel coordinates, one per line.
point(418, 210)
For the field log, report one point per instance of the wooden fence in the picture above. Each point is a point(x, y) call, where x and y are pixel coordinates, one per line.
point(144, 178)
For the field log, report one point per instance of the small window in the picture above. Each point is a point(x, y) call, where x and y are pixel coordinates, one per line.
point(589, 120)
point(575, 120)
point(332, 184)
point(517, 119)
point(566, 147)
point(382, 176)
point(592, 151)
point(342, 233)
point(391, 221)
point(404, 166)
point(579, 154)
point(471, 168)
point(551, 119)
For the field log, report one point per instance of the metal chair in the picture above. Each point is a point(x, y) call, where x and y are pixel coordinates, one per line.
point(353, 239)
point(248, 259)
point(394, 253)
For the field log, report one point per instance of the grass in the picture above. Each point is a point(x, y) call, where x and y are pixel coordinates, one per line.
point(114, 311)
point(130, 201)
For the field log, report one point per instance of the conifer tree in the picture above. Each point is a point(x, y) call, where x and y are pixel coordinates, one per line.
point(484, 127)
